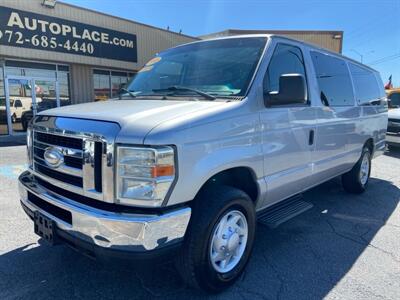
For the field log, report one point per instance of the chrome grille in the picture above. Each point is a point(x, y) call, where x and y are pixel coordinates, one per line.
point(81, 166)
point(87, 157)
point(72, 172)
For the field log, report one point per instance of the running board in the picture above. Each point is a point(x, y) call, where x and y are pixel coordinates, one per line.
point(283, 211)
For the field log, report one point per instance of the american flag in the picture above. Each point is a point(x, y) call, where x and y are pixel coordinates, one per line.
point(389, 84)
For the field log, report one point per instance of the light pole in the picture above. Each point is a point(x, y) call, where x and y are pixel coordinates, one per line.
point(361, 56)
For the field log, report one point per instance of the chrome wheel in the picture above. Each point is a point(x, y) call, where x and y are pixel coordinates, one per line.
point(228, 241)
point(364, 169)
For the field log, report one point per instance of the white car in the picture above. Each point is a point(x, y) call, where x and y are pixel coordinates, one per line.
point(393, 130)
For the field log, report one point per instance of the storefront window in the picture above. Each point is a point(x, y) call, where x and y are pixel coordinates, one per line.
point(107, 84)
point(101, 85)
point(118, 81)
point(3, 113)
point(63, 85)
point(24, 77)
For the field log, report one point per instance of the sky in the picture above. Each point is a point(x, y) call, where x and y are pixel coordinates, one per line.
point(371, 28)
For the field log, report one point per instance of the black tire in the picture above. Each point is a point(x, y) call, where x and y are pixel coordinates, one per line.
point(24, 125)
point(351, 180)
point(194, 263)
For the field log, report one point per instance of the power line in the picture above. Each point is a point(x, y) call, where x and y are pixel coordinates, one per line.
point(385, 59)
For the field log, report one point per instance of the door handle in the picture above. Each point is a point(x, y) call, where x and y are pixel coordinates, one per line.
point(311, 137)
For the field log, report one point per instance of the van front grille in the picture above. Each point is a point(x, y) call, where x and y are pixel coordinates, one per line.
point(70, 179)
point(79, 155)
point(59, 140)
point(76, 155)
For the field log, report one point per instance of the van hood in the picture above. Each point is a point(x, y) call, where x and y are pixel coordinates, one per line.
point(394, 113)
point(135, 117)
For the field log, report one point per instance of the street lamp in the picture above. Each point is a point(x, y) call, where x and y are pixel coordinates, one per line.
point(361, 56)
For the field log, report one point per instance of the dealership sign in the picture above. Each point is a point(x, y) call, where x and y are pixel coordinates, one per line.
point(28, 30)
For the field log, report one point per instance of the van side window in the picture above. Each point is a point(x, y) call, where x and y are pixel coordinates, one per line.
point(333, 80)
point(286, 59)
point(365, 84)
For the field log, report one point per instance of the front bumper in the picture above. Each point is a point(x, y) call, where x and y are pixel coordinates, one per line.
point(393, 139)
point(84, 225)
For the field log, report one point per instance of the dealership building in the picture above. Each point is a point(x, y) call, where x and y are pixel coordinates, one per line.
point(54, 54)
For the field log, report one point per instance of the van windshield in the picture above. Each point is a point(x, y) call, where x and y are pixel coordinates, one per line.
point(221, 68)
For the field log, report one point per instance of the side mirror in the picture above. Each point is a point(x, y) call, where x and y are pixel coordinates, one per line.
point(292, 90)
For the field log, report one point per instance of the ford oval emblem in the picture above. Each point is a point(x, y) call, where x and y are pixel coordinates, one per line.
point(53, 157)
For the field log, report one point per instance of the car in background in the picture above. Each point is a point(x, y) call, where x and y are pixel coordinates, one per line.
point(43, 104)
point(18, 105)
point(393, 130)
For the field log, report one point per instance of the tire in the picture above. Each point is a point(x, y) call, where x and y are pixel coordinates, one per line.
point(356, 180)
point(210, 207)
point(24, 125)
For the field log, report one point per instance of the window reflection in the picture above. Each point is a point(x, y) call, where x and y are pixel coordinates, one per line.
point(107, 84)
point(39, 77)
point(64, 88)
point(101, 85)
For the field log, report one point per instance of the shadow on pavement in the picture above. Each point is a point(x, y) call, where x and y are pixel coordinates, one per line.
point(8, 141)
point(302, 259)
point(393, 152)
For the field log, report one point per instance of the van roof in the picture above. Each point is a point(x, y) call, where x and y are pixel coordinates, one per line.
point(273, 36)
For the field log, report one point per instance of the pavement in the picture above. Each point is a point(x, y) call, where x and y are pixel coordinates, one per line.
point(346, 247)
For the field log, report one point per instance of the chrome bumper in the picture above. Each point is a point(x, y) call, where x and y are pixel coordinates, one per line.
point(393, 138)
point(117, 231)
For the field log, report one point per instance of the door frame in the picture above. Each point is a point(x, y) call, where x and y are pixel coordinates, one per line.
point(32, 80)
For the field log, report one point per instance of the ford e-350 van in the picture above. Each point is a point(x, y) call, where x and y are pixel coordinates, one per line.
point(207, 139)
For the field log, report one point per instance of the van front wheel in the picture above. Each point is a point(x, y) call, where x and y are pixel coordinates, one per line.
point(219, 239)
point(356, 180)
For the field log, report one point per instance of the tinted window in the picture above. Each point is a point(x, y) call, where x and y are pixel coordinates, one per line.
point(394, 100)
point(333, 80)
point(286, 59)
point(365, 84)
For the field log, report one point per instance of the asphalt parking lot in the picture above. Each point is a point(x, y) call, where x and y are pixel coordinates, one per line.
point(346, 247)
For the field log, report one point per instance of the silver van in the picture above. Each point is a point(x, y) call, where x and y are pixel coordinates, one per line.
point(207, 140)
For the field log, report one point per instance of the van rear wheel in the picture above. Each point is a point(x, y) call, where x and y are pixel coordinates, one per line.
point(356, 180)
point(219, 239)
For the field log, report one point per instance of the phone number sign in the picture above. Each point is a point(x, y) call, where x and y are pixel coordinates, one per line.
point(29, 30)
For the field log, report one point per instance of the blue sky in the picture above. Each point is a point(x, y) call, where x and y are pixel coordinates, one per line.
point(371, 28)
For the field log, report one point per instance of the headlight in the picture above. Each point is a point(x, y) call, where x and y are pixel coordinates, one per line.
point(29, 146)
point(144, 175)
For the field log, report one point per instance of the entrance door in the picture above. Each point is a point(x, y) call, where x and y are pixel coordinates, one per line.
point(25, 97)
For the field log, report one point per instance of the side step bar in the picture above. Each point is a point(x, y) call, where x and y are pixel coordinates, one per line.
point(283, 211)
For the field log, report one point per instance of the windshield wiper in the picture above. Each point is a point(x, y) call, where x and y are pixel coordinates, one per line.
point(184, 88)
point(131, 93)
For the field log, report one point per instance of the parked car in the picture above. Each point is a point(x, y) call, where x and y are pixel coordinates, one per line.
point(208, 138)
point(393, 130)
point(17, 106)
point(43, 104)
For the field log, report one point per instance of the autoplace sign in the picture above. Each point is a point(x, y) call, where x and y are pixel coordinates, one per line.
point(29, 30)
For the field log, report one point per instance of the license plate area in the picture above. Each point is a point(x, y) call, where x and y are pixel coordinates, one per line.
point(44, 227)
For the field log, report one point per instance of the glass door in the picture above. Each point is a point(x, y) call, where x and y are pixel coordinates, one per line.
point(46, 94)
point(20, 101)
point(25, 97)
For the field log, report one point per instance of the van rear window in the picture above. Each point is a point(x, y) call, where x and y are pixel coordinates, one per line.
point(333, 80)
point(365, 84)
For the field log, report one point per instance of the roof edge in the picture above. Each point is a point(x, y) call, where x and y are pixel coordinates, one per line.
point(127, 20)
